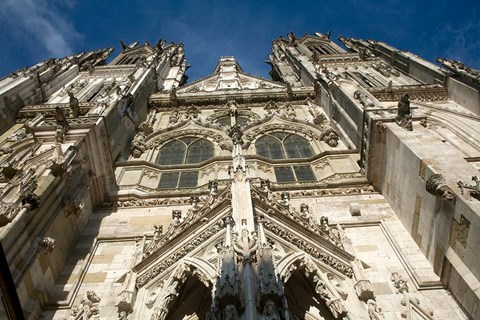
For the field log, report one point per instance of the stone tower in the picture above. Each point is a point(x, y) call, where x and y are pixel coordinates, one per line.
point(337, 190)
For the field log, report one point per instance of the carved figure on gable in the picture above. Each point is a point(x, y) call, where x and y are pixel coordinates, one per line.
point(174, 116)
point(404, 117)
point(74, 106)
point(270, 311)
point(289, 111)
point(192, 112)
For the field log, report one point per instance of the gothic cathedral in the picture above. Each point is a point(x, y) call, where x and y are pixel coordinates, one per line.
point(346, 187)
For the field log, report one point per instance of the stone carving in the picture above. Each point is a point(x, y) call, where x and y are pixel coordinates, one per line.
point(46, 245)
point(424, 92)
point(399, 282)
point(320, 288)
point(74, 106)
point(272, 108)
point(304, 210)
point(310, 249)
point(469, 190)
point(385, 70)
point(265, 185)
point(437, 186)
point(192, 112)
point(178, 254)
point(161, 312)
point(213, 186)
point(285, 198)
point(236, 134)
point(194, 200)
point(374, 311)
point(147, 126)
point(138, 145)
point(404, 117)
point(330, 136)
point(176, 216)
point(62, 125)
point(88, 307)
point(289, 111)
point(459, 68)
point(18, 135)
point(291, 39)
point(337, 308)
point(270, 311)
point(174, 116)
point(364, 291)
point(364, 99)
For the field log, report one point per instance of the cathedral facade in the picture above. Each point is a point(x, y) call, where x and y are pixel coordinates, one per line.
point(343, 188)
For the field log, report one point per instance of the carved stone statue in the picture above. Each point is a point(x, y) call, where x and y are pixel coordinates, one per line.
point(62, 125)
point(270, 311)
point(138, 145)
point(74, 106)
point(404, 117)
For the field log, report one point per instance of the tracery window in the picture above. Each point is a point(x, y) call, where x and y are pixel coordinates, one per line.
point(281, 145)
point(187, 150)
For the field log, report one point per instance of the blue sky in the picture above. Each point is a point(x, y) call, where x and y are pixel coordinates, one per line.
point(35, 30)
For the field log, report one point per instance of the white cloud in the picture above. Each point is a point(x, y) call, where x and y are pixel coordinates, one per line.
point(39, 21)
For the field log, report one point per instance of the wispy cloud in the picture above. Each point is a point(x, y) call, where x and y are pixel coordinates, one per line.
point(41, 23)
point(462, 42)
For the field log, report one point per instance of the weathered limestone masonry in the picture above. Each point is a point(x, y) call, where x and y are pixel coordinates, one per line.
point(340, 189)
point(74, 116)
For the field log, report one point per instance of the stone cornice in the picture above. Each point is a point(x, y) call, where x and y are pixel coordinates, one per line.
point(424, 92)
point(215, 98)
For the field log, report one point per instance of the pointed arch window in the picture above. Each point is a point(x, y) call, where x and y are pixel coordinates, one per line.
point(187, 150)
point(281, 145)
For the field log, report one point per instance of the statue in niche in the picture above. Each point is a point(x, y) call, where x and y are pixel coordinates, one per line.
point(270, 311)
point(74, 106)
point(404, 117)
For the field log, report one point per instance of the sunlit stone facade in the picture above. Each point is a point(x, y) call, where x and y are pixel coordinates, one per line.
point(339, 189)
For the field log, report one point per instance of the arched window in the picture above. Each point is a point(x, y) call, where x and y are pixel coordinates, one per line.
point(281, 145)
point(188, 150)
point(185, 151)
